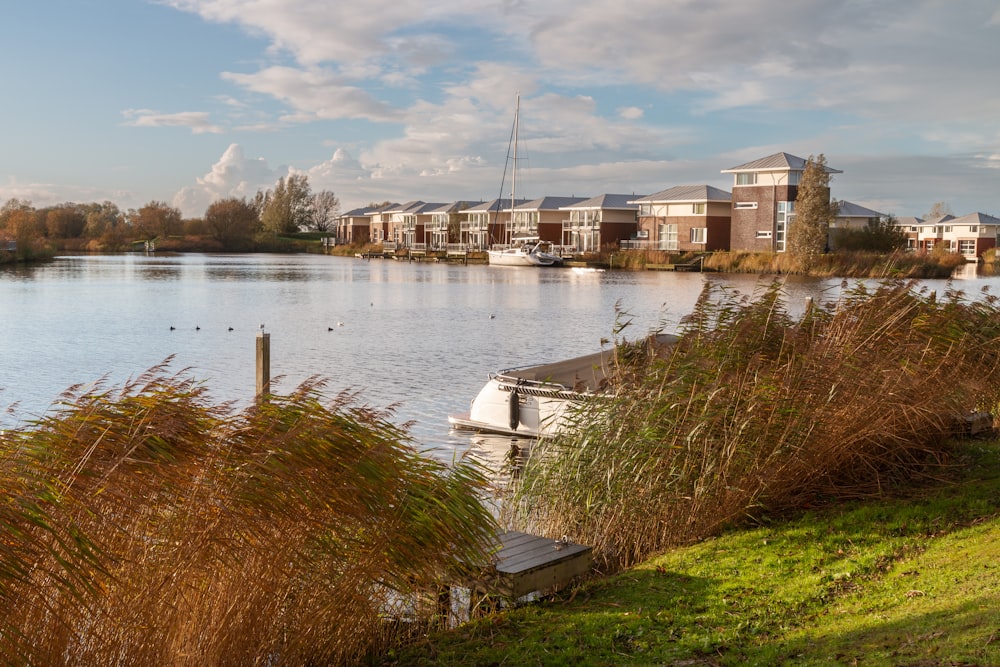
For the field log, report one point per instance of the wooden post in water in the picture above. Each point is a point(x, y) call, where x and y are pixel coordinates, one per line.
point(263, 364)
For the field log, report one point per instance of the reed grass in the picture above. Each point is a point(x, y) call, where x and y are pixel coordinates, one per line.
point(856, 264)
point(755, 412)
point(149, 526)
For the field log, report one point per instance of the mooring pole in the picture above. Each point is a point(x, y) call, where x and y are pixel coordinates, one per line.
point(263, 364)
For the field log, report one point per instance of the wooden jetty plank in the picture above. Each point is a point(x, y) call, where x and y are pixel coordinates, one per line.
point(527, 563)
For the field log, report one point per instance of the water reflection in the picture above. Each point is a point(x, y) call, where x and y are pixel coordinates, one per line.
point(422, 336)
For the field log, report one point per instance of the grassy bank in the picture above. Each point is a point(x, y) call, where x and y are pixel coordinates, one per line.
point(909, 579)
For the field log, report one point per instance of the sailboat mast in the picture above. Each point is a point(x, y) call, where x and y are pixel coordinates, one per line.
point(513, 179)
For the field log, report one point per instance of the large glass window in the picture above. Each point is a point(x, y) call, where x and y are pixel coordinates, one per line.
point(786, 214)
point(668, 237)
point(746, 179)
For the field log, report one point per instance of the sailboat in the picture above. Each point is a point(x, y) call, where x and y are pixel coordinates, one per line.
point(525, 250)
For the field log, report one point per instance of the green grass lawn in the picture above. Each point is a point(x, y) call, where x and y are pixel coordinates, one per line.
point(909, 579)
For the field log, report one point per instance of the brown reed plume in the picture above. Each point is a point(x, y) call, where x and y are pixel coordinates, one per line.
point(754, 411)
point(149, 526)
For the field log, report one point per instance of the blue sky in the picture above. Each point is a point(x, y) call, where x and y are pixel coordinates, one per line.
point(188, 101)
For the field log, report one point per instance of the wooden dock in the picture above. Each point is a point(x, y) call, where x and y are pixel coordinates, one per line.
point(526, 564)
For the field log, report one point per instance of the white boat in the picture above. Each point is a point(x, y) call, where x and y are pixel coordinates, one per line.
point(536, 401)
point(528, 252)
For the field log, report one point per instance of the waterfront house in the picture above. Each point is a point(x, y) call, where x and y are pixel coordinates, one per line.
point(763, 201)
point(911, 229)
point(598, 222)
point(380, 223)
point(683, 218)
point(969, 235)
point(445, 224)
point(354, 226)
point(485, 223)
point(542, 218)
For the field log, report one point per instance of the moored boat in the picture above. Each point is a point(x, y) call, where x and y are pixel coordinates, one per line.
point(536, 401)
point(527, 252)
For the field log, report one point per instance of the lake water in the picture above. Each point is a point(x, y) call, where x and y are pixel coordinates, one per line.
point(422, 336)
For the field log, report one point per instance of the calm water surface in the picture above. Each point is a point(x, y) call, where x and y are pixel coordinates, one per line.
point(422, 336)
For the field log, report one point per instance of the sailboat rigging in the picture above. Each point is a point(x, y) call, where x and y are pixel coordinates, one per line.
point(524, 250)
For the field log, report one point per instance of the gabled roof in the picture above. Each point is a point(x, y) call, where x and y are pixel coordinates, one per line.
point(975, 219)
point(495, 205)
point(948, 217)
point(852, 210)
point(776, 162)
point(356, 212)
point(607, 203)
point(550, 203)
point(909, 221)
point(686, 193)
point(456, 207)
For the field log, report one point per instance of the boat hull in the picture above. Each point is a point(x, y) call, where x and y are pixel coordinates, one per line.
point(522, 258)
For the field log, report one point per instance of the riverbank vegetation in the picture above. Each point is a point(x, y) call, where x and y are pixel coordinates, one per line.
point(908, 578)
point(148, 526)
point(755, 412)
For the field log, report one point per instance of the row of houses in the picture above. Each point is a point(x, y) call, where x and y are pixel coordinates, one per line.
point(755, 216)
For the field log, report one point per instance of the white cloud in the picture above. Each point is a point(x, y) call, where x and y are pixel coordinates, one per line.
point(233, 175)
point(197, 121)
point(630, 113)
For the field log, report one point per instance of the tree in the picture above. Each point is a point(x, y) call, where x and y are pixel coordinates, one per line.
point(106, 224)
point(156, 219)
point(939, 209)
point(288, 207)
point(814, 211)
point(326, 206)
point(19, 222)
point(66, 221)
point(232, 222)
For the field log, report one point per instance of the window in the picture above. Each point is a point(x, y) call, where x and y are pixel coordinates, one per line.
point(746, 179)
point(973, 229)
point(699, 235)
point(967, 248)
point(764, 234)
point(645, 209)
point(913, 229)
point(947, 229)
point(668, 237)
point(746, 204)
point(786, 213)
point(698, 209)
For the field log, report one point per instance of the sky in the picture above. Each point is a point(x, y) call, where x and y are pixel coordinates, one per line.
point(190, 101)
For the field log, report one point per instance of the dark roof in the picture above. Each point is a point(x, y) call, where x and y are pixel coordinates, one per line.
point(776, 162)
point(683, 193)
point(607, 202)
point(550, 203)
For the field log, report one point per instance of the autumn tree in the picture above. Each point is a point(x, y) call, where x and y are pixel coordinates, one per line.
point(288, 207)
point(326, 207)
point(19, 222)
point(814, 211)
point(106, 226)
point(66, 221)
point(156, 219)
point(232, 222)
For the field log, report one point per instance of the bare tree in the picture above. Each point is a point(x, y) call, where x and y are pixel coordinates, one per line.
point(326, 207)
